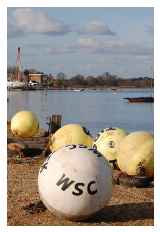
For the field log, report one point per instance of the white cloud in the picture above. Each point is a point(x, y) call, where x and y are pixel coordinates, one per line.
point(95, 46)
point(96, 27)
point(32, 21)
point(29, 20)
point(113, 47)
point(88, 43)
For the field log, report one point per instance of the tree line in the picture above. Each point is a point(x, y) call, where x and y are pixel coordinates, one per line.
point(104, 80)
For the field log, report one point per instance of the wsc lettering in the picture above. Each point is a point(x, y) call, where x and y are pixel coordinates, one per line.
point(94, 149)
point(64, 183)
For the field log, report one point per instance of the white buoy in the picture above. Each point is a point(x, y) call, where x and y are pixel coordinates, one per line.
point(75, 182)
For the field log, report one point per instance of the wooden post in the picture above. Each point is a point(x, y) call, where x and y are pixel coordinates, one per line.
point(53, 125)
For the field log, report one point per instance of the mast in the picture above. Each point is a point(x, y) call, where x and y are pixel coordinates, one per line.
point(18, 65)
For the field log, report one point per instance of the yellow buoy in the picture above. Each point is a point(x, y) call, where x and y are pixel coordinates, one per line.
point(24, 124)
point(108, 141)
point(70, 134)
point(136, 154)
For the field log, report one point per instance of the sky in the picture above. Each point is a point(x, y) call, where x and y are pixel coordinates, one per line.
point(88, 41)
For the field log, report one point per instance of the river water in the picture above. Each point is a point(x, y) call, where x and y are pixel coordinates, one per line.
point(95, 110)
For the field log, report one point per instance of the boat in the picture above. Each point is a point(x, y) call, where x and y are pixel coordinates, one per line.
point(30, 86)
point(147, 99)
point(15, 84)
point(78, 90)
point(140, 99)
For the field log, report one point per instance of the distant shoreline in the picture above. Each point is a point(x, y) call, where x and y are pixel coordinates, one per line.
point(79, 88)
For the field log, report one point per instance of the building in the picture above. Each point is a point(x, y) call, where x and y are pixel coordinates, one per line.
point(40, 78)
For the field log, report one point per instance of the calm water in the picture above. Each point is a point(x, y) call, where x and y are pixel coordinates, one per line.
point(93, 109)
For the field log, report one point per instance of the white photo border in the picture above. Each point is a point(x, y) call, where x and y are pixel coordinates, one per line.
point(3, 102)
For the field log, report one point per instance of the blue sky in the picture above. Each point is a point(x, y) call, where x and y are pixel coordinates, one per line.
point(83, 40)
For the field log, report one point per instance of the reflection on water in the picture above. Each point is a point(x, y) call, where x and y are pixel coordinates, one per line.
point(94, 109)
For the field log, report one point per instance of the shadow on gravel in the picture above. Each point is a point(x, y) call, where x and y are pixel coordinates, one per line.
point(113, 213)
point(124, 212)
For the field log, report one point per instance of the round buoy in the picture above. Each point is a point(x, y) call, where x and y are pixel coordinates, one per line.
point(24, 124)
point(136, 154)
point(75, 182)
point(107, 143)
point(70, 134)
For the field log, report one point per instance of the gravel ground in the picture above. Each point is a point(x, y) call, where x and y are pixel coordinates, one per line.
point(127, 207)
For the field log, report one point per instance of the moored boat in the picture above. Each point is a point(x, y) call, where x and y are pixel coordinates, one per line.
point(78, 90)
point(15, 84)
point(140, 99)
